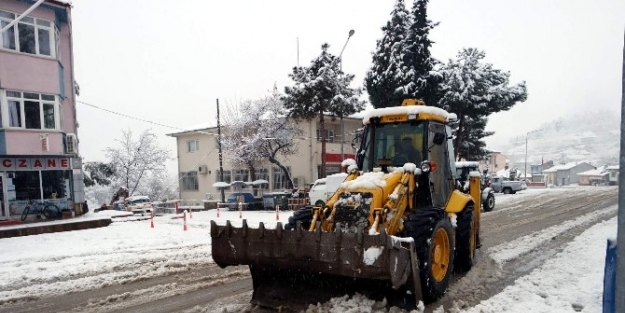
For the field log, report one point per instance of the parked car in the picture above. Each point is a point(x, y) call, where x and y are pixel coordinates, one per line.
point(324, 188)
point(502, 184)
point(246, 199)
point(138, 204)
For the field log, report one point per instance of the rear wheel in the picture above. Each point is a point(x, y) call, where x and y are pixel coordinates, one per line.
point(507, 190)
point(25, 213)
point(489, 203)
point(432, 233)
point(303, 215)
point(465, 240)
point(51, 211)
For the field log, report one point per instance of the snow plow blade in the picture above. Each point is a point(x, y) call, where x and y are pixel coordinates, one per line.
point(294, 268)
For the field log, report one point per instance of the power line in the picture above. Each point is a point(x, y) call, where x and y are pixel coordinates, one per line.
point(128, 116)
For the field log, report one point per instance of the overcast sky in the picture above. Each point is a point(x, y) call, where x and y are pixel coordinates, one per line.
point(168, 61)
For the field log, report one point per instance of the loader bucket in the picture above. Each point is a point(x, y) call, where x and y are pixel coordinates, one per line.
point(293, 268)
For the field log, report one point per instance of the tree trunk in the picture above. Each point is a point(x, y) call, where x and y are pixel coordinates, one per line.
point(284, 170)
point(252, 170)
point(459, 134)
point(322, 132)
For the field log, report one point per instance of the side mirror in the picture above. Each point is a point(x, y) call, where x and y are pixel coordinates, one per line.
point(439, 139)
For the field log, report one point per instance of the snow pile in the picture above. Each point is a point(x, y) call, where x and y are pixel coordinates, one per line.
point(475, 174)
point(348, 162)
point(525, 244)
point(572, 281)
point(372, 254)
point(369, 180)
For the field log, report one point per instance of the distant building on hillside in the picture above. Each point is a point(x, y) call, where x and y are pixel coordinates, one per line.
point(566, 174)
point(613, 171)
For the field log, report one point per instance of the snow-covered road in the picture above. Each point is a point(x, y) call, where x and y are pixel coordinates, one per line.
point(129, 254)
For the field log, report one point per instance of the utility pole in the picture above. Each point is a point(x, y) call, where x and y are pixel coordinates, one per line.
point(221, 167)
point(350, 34)
point(620, 237)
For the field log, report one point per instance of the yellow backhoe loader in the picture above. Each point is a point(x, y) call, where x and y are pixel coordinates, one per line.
point(396, 228)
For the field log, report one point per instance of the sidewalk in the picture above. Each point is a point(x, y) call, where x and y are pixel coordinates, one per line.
point(13, 228)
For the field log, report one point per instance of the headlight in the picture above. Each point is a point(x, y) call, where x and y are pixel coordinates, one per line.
point(425, 166)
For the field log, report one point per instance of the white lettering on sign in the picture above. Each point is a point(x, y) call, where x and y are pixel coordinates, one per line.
point(34, 164)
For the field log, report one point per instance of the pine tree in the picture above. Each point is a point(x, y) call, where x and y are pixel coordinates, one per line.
point(418, 78)
point(474, 90)
point(381, 80)
point(321, 88)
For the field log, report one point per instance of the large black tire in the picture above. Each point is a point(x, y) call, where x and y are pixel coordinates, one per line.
point(466, 240)
point(507, 190)
point(25, 213)
point(424, 226)
point(303, 215)
point(51, 211)
point(489, 204)
point(320, 203)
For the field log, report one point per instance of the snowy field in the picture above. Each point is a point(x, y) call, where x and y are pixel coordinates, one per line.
point(130, 250)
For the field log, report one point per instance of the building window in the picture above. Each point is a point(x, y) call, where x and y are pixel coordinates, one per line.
point(189, 181)
point(32, 35)
point(262, 173)
point(227, 177)
point(193, 145)
point(32, 110)
point(241, 175)
point(329, 135)
point(279, 178)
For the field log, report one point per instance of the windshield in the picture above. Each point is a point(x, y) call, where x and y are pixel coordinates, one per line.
point(393, 144)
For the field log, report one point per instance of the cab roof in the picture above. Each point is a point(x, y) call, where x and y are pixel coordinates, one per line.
point(410, 107)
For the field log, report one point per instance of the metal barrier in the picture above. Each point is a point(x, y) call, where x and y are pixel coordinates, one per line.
point(609, 278)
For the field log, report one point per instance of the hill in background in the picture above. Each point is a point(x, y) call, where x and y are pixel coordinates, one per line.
point(592, 136)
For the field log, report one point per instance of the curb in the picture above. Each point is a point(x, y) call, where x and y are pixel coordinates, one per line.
point(53, 228)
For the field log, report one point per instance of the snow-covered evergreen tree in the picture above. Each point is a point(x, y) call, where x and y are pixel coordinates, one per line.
point(418, 78)
point(382, 79)
point(263, 133)
point(473, 90)
point(319, 89)
point(402, 65)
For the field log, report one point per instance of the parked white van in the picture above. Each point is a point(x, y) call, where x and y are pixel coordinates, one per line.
point(324, 188)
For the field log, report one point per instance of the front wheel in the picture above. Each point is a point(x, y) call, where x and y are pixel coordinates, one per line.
point(433, 236)
point(51, 211)
point(489, 203)
point(466, 242)
point(25, 213)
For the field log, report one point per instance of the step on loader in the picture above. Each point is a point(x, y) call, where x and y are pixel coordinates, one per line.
point(395, 229)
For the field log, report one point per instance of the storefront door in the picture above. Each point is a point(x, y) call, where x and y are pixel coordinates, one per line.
point(3, 203)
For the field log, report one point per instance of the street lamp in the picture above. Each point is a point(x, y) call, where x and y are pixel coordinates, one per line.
point(527, 134)
point(351, 33)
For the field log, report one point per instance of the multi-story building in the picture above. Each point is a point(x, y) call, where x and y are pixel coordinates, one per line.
point(198, 159)
point(494, 162)
point(38, 144)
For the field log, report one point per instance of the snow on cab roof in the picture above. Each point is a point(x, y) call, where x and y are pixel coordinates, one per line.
point(467, 163)
point(408, 109)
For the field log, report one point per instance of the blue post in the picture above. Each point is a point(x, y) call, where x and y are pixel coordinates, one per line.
point(609, 278)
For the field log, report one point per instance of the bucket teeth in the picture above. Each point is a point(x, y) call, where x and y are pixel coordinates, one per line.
point(261, 230)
